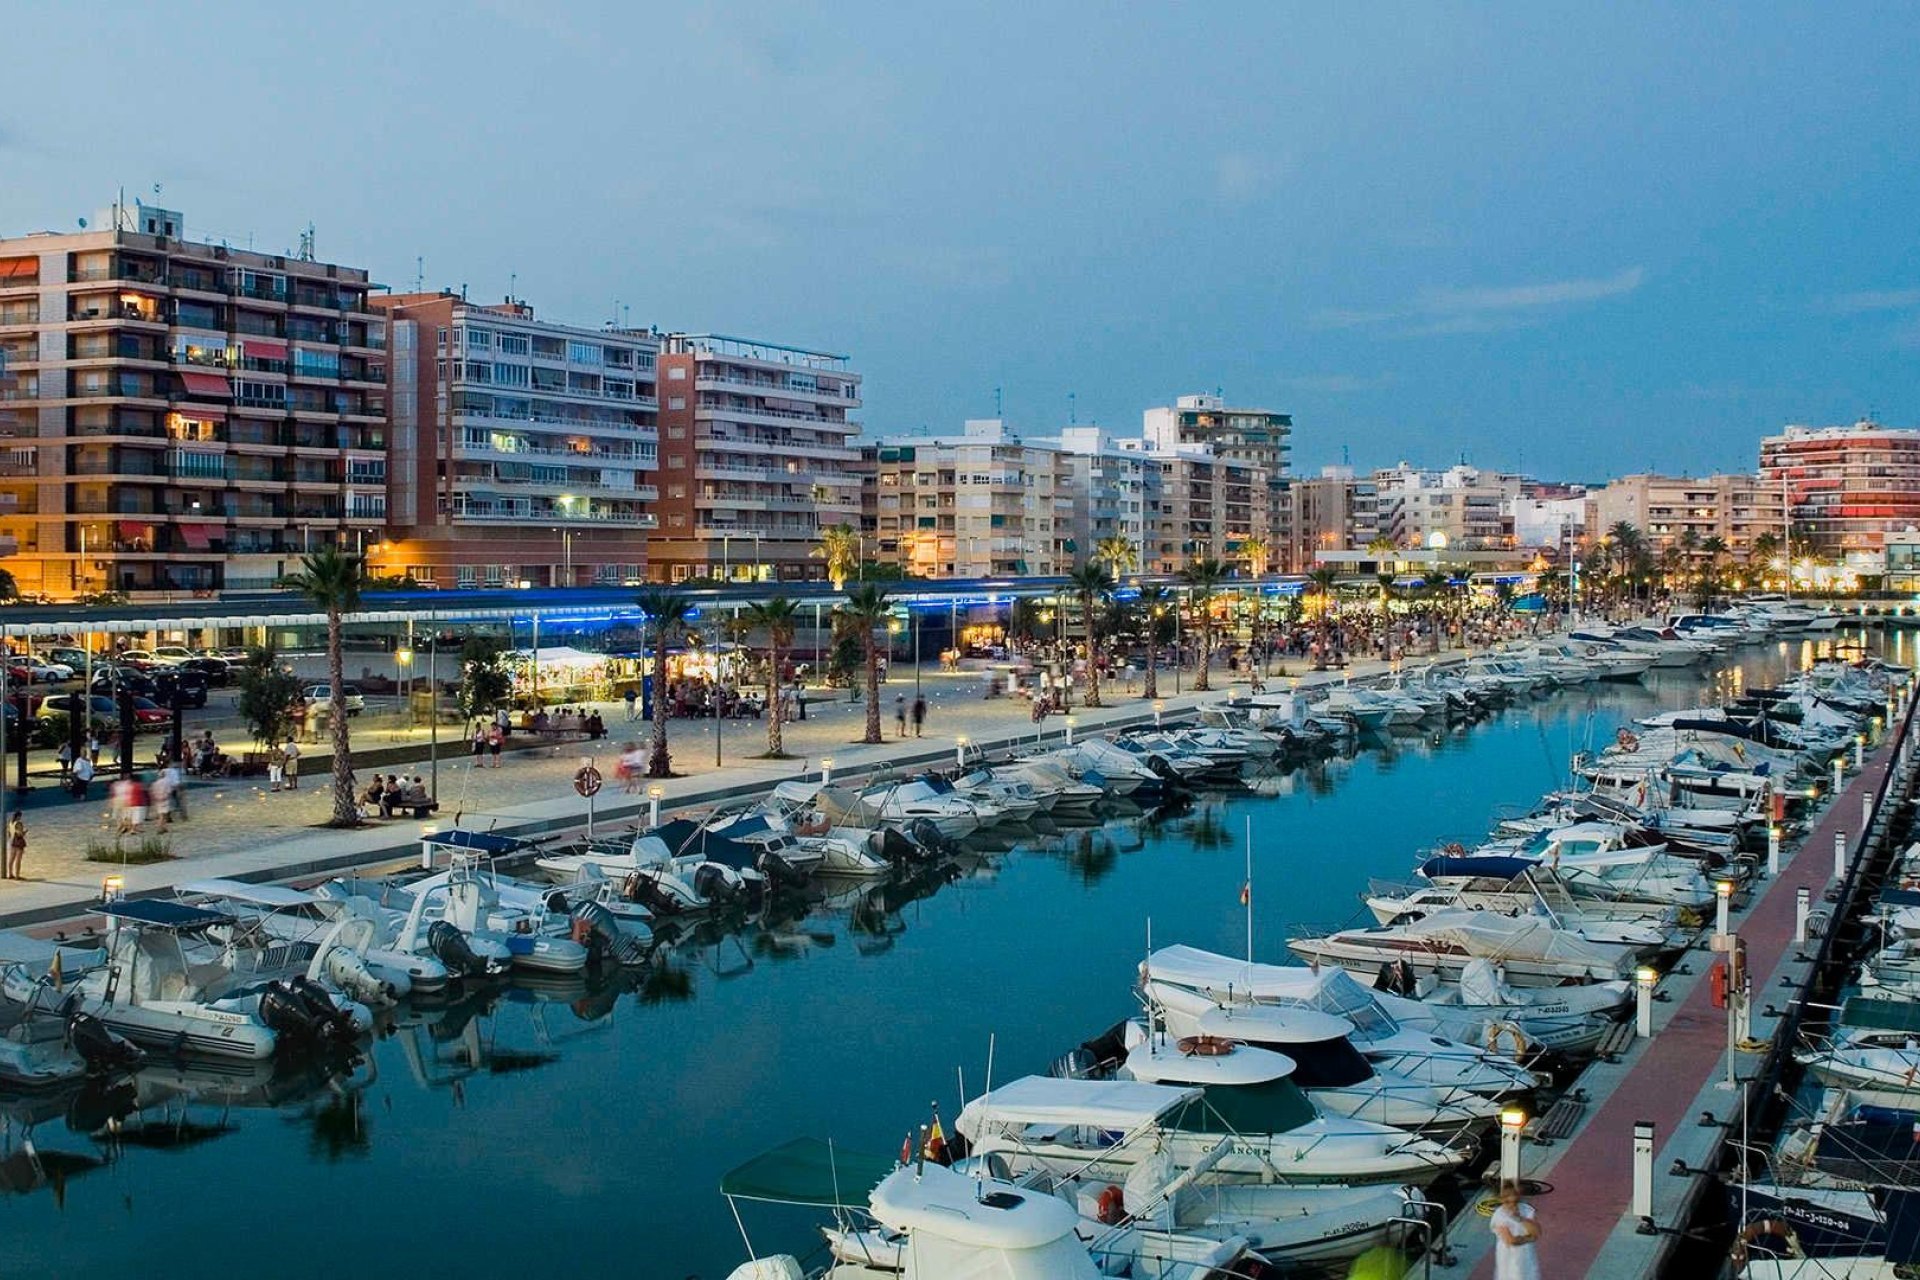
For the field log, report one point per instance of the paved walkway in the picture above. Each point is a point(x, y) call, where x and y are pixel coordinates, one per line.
point(1586, 1225)
point(241, 828)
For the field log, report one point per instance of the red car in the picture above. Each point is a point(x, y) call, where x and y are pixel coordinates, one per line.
point(147, 714)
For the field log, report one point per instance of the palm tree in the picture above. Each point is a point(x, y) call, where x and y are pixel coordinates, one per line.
point(1760, 555)
point(1323, 580)
point(1713, 547)
point(331, 578)
point(840, 547)
point(1202, 577)
point(1386, 610)
point(1091, 582)
point(1119, 554)
point(1156, 607)
point(778, 618)
point(867, 610)
point(667, 613)
point(1254, 548)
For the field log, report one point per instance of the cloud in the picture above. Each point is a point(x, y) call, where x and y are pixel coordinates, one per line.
point(1335, 383)
point(1482, 309)
point(1852, 304)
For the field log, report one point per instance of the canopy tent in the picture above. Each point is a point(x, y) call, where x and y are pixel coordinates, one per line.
point(163, 915)
point(1103, 1104)
point(257, 895)
point(808, 1171)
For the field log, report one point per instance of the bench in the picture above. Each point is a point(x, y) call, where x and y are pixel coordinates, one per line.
point(416, 809)
point(1562, 1118)
point(1615, 1041)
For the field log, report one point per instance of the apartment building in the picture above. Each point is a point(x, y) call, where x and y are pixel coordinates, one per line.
point(523, 451)
point(1849, 486)
point(1333, 511)
point(1462, 507)
point(183, 416)
point(1205, 507)
point(1109, 490)
point(1257, 437)
point(1736, 508)
point(982, 504)
point(756, 458)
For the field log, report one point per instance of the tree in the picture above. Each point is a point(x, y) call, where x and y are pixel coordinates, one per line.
point(777, 619)
point(267, 694)
point(840, 547)
point(1386, 610)
point(1323, 580)
point(1254, 548)
point(1714, 548)
point(1091, 582)
point(866, 611)
point(1553, 588)
point(332, 577)
point(666, 612)
point(1202, 578)
point(1156, 607)
point(485, 681)
point(1761, 553)
point(1119, 554)
point(9, 589)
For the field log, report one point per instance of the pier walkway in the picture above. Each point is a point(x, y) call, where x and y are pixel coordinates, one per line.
point(1674, 1080)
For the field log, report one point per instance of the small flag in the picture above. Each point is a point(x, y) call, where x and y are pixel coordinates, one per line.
point(53, 972)
point(1246, 893)
point(936, 1148)
point(906, 1148)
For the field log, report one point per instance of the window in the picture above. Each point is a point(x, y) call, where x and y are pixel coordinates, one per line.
point(676, 402)
point(677, 374)
point(676, 463)
point(512, 344)
point(479, 339)
point(316, 364)
point(512, 375)
point(676, 491)
point(586, 353)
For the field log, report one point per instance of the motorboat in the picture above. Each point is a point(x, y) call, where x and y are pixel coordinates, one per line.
point(1516, 887)
point(1014, 798)
point(1529, 951)
point(1373, 709)
point(917, 800)
point(412, 924)
point(303, 920)
point(1071, 796)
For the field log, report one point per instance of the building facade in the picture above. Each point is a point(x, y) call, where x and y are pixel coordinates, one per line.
point(756, 459)
point(1257, 437)
point(1848, 486)
point(1683, 511)
point(183, 416)
point(983, 504)
point(1462, 506)
point(522, 450)
point(1333, 511)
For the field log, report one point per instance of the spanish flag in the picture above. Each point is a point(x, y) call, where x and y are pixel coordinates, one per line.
point(1246, 892)
point(906, 1148)
point(936, 1145)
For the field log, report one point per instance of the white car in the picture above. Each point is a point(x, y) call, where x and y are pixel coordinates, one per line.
point(320, 698)
point(172, 655)
point(44, 672)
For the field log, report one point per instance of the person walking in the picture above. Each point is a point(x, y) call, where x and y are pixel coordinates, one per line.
point(1516, 1232)
point(93, 749)
point(82, 775)
point(17, 846)
point(919, 714)
point(496, 738)
point(900, 714)
point(64, 757)
point(161, 794)
point(176, 787)
point(292, 753)
point(633, 704)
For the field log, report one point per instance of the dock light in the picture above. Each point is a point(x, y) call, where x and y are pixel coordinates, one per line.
point(1859, 750)
point(1839, 772)
point(1839, 855)
point(1071, 721)
point(960, 751)
point(1159, 707)
point(112, 888)
point(1723, 905)
point(404, 657)
point(1642, 1206)
point(1644, 980)
point(1513, 1122)
point(826, 771)
point(1802, 908)
point(1773, 850)
point(654, 793)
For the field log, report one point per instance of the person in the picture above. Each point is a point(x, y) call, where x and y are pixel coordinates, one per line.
point(276, 766)
point(64, 757)
point(17, 846)
point(900, 713)
point(919, 714)
point(1516, 1232)
point(390, 795)
point(292, 753)
point(479, 742)
point(130, 802)
point(161, 794)
point(416, 790)
point(633, 704)
point(82, 775)
point(93, 749)
point(496, 738)
point(596, 727)
point(371, 800)
point(176, 787)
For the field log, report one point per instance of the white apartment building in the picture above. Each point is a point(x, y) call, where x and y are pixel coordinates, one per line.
point(982, 504)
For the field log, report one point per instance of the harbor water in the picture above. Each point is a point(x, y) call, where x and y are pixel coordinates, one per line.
point(542, 1129)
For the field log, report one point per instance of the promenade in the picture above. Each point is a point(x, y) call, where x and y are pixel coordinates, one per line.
point(240, 828)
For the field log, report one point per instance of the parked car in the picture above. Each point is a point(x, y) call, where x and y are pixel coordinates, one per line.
point(132, 679)
point(320, 698)
point(75, 658)
point(191, 684)
point(218, 671)
point(102, 712)
point(148, 714)
point(171, 655)
point(139, 659)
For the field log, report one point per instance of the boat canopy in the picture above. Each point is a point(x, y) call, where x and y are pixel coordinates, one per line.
point(479, 841)
point(1864, 1013)
point(1104, 1104)
point(1498, 937)
point(1163, 1062)
point(1490, 868)
point(808, 1171)
point(982, 1215)
point(1217, 974)
point(163, 915)
point(1269, 1024)
point(257, 895)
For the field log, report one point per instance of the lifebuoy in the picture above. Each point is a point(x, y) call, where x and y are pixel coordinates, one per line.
point(1454, 849)
point(1743, 1243)
point(1112, 1205)
point(1206, 1046)
point(1627, 739)
point(1498, 1031)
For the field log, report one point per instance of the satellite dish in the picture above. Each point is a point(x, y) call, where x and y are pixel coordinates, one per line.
point(83, 224)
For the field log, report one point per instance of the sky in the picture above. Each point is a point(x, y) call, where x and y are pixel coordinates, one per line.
point(1575, 239)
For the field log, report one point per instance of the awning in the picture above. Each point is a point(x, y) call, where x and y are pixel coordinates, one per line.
point(265, 349)
point(167, 915)
point(132, 529)
point(206, 384)
point(214, 532)
point(195, 536)
point(20, 269)
point(808, 1171)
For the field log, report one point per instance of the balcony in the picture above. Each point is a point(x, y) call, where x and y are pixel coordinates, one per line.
point(510, 511)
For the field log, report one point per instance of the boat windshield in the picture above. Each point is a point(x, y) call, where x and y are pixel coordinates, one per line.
point(1326, 1064)
point(1276, 1106)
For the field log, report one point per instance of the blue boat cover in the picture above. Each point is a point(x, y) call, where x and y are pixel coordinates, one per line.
point(484, 841)
point(162, 914)
point(1492, 868)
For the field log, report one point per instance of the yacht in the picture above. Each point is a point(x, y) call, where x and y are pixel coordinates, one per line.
point(1530, 951)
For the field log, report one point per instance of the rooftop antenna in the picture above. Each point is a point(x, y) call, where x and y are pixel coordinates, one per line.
point(1072, 411)
point(306, 244)
point(419, 273)
point(513, 283)
point(1346, 456)
point(996, 402)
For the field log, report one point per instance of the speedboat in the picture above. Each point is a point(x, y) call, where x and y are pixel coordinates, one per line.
point(918, 800)
point(1529, 951)
point(303, 921)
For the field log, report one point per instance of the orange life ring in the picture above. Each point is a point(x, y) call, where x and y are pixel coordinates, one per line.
point(1454, 849)
point(1627, 739)
point(1206, 1046)
point(1742, 1244)
point(1112, 1205)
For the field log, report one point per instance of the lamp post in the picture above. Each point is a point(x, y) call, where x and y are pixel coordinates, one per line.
point(1513, 1122)
point(1644, 980)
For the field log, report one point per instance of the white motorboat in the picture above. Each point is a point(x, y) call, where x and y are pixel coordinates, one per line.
point(416, 925)
point(1529, 951)
point(1015, 798)
point(303, 919)
point(916, 800)
point(1070, 796)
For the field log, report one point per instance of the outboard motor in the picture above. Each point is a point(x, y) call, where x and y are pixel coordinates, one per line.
point(328, 1016)
point(348, 971)
point(930, 838)
point(1108, 1049)
point(714, 883)
point(449, 946)
point(595, 928)
point(780, 873)
point(1076, 1064)
point(100, 1048)
point(1168, 775)
point(286, 1013)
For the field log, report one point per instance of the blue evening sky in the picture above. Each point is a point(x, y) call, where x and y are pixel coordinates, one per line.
point(1582, 238)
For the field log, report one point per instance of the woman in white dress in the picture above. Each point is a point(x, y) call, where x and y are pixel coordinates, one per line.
point(1516, 1233)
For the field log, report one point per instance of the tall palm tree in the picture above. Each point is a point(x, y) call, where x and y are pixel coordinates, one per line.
point(331, 577)
point(1323, 580)
point(1386, 610)
point(1091, 582)
point(1760, 555)
point(667, 613)
point(866, 611)
point(1156, 611)
point(778, 619)
point(1202, 577)
point(1255, 549)
point(1119, 554)
point(1713, 547)
point(840, 548)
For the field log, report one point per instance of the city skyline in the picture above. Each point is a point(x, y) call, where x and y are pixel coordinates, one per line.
point(1426, 236)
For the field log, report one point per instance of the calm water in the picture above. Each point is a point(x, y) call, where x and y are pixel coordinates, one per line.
point(594, 1131)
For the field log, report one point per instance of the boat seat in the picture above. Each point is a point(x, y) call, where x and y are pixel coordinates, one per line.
point(1615, 1041)
point(1562, 1118)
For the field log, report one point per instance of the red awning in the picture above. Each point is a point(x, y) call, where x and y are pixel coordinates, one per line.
point(131, 529)
point(206, 384)
point(265, 349)
point(214, 532)
point(20, 269)
point(195, 536)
